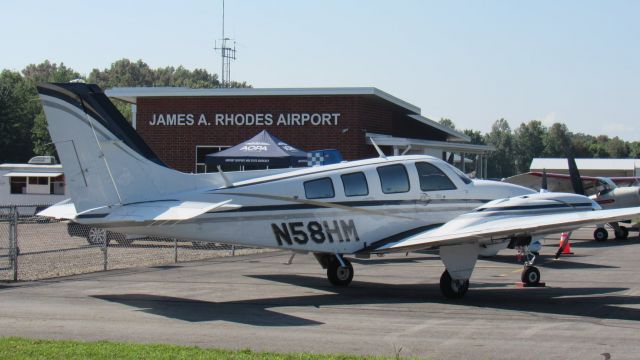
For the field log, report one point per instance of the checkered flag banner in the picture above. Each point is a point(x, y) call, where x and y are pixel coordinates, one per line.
point(323, 157)
point(315, 158)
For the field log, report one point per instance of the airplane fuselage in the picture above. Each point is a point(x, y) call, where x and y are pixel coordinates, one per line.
point(340, 208)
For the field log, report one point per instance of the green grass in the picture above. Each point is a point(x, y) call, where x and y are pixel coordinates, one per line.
point(20, 348)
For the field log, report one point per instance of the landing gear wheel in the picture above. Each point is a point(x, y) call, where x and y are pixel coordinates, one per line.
point(622, 233)
point(97, 236)
point(530, 275)
point(453, 289)
point(339, 275)
point(600, 234)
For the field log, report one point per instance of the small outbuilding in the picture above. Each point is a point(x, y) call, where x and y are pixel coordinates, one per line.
point(589, 167)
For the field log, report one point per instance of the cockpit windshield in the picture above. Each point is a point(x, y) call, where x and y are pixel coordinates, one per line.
point(460, 174)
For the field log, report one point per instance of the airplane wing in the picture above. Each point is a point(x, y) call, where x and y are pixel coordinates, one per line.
point(555, 182)
point(479, 228)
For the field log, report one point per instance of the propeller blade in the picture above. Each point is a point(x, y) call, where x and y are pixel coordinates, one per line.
point(544, 187)
point(576, 181)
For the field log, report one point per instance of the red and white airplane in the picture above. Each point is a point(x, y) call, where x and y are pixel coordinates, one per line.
point(608, 192)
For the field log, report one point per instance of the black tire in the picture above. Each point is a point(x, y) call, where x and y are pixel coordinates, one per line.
point(600, 234)
point(337, 274)
point(452, 289)
point(623, 233)
point(98, 236)
point(530, 275)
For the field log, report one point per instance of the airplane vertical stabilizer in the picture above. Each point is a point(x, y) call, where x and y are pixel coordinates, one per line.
point(104, 160)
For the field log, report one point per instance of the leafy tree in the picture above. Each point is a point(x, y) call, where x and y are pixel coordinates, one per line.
point(499, 162)
point(634, 149)
point(48, 72)
point(557, 141)
point(528, 143)
point(475, 135)
point(447, 122)
point(598, 147)
point(17, 104)
point(581, 144)
point(617, 148)
point(34, 74)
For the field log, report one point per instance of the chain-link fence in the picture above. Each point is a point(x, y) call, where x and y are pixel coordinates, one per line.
point(32, 247)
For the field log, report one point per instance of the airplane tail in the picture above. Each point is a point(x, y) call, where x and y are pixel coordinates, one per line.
point(104, 159)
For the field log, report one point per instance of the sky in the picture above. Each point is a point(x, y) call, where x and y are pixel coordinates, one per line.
point(576, 62)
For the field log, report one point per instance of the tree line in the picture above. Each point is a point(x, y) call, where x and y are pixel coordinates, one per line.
point(23, 124)
point(24, 130)
point(516, 148)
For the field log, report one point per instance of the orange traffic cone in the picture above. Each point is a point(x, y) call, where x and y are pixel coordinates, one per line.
point(565, 245)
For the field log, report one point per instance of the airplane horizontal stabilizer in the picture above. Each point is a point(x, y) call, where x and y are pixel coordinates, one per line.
point(469, 228)
point(167, 210)
point(64, 210)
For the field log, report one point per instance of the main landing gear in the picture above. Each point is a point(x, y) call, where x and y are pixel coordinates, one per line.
point(530, 275)
point(339, 269)
point(621, 232)
point(452, 288)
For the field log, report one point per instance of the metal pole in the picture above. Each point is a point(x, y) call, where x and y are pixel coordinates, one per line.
point(105, 255)
point(13, 241)
point(175, 250)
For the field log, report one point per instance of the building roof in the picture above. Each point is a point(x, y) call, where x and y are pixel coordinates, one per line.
point(31, 167)
point(131, 94)
point(32, 174)
point(453, 134)
point(586, 164)
point(388, 140)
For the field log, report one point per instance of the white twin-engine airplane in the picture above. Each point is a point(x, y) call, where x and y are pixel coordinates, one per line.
point(356, 208)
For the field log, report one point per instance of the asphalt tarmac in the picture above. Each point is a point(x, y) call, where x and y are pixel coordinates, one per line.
point(590, 306)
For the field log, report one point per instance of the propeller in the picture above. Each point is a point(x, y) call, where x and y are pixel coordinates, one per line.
point(544, 187)
point(576, 181)
point(578, 188)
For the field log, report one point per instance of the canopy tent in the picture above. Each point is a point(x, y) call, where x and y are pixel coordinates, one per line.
point(263, 149)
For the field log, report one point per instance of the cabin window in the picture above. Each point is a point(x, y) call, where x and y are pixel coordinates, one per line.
point(18, 185)
point(432, 178)
point(393, 179)
point(355, 184)
point(319, 189)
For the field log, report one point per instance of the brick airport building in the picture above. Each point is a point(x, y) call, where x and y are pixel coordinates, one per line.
point(183, 125)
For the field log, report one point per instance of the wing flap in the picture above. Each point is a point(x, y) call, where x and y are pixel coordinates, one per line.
point(464, 230)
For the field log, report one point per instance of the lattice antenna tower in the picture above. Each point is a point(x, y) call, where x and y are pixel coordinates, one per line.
point(227, 54)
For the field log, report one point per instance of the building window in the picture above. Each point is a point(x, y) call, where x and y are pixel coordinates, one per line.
point(355, 184)
point(202, 151)
point(18, 185)
point(41, 185)
point(432, 178)
point(393, 179)
point(57, 185)
point(319, 189)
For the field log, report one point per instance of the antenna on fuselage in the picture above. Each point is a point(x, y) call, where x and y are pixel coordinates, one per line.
point(544, 187)
point(227, 182)
point(382, 155)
